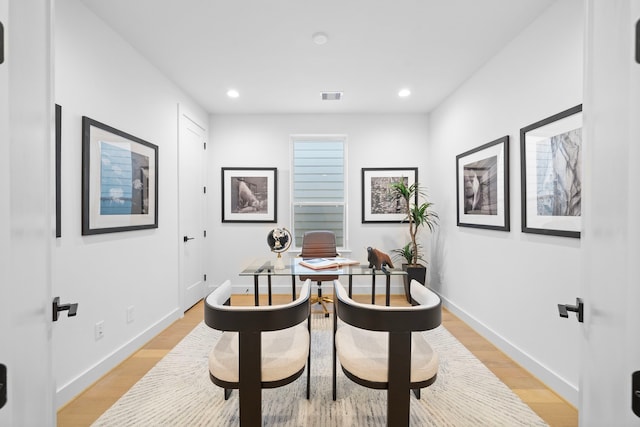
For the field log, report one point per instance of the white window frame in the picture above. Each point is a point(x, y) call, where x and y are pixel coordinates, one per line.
point(321, 137)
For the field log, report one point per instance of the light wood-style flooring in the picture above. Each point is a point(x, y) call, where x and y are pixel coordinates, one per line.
point(89, 405)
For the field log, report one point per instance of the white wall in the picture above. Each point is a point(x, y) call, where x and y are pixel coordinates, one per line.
point(99, 75)
point(507, 284)
point(264, 141)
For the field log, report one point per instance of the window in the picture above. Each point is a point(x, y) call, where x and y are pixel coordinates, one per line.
point(318, 186)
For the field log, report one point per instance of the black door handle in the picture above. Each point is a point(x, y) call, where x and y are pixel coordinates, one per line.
point(187, 238)
point(57, 307)
point(564, 309)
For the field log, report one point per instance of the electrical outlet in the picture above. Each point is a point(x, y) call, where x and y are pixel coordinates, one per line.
point(130, 314)
point(99, 329)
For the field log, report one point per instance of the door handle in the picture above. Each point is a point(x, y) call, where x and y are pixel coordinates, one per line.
point(57, 307)
point(564, 309)
point(187, 238)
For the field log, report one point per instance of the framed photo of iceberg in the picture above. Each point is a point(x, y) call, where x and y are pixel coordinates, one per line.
point(119, 180)
point(551, 174)
point(482, 186)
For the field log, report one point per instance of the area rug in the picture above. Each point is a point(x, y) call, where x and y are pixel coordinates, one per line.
point(178, 392)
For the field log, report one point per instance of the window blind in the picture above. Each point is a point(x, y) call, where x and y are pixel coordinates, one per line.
point(318, 187)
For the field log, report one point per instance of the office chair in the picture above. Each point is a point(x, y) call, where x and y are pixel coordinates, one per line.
point(319, 244)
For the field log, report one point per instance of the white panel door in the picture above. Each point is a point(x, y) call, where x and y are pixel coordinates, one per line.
point(6, 413)
point(191, 154)
point(26, 226)
point(611, 237)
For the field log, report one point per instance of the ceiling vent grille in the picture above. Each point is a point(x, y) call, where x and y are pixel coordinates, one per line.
point(331, 96)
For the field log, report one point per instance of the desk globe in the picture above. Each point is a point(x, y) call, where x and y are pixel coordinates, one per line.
point(279, 240)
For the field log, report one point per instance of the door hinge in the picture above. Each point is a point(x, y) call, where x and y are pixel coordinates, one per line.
point(205, 277)
point(205, 145)
point(205, 233)
point(1, 43)
point(205, 189)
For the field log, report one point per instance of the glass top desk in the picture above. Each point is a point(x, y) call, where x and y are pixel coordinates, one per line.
point(261, 267)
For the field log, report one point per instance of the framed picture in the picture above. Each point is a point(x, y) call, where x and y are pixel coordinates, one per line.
point(58, 170)
point(378, 202)
point(482, 186)
point(249, 194)
point(119, 180)
point(551, 169)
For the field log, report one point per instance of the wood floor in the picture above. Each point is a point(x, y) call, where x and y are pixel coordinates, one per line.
point(89, 405)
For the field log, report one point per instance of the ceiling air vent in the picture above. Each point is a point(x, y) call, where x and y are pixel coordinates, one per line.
point(331, 96)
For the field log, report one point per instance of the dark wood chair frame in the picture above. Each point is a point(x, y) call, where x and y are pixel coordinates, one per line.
point(399, 323)
point(250, 323)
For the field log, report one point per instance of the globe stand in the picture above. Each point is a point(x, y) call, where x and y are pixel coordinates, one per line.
point(279, 265)
point(279, 240)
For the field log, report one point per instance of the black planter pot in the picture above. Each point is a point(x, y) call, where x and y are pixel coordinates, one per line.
point(418, 273)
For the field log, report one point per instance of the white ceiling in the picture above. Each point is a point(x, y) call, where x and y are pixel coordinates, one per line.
point(264, 49)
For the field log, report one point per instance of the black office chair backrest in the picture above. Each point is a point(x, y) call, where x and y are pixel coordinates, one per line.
point(319, 244)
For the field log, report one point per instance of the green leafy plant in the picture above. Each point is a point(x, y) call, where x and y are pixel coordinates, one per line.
point(406, 253)
point(417, 215)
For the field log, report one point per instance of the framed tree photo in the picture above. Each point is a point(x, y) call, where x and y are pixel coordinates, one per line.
point(249, 194)
point(119, 180)
point(482, 186)
point(378, 202)
point(551, 174)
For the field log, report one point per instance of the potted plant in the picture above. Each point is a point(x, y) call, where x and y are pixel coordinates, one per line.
point(418, 214)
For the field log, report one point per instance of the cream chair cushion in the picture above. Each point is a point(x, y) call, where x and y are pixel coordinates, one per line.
point(284, 352)
point(365, 354)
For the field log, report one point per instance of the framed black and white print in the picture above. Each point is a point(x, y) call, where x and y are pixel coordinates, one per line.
point(119, 180)
point(378, 201)
point(551, 174)
point(249, 194)
point(482, 186)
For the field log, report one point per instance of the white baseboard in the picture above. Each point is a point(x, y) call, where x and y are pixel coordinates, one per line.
point(68, 391)
point(567, 391)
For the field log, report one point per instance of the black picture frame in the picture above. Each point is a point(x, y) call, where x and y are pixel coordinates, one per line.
point(551, 174)
point(378, 204)
point(482, 186)
point(119, 180)
point(58, 126)
point(249, 195)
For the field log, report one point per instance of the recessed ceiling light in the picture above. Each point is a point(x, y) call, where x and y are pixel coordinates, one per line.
point(320, 38)
point(404, 93)
point(232, 93)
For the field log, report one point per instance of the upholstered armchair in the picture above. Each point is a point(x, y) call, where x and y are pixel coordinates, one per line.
point(260, 347)
point(382, 347)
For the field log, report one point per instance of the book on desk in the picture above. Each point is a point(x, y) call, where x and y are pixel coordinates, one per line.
point(327, 263)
